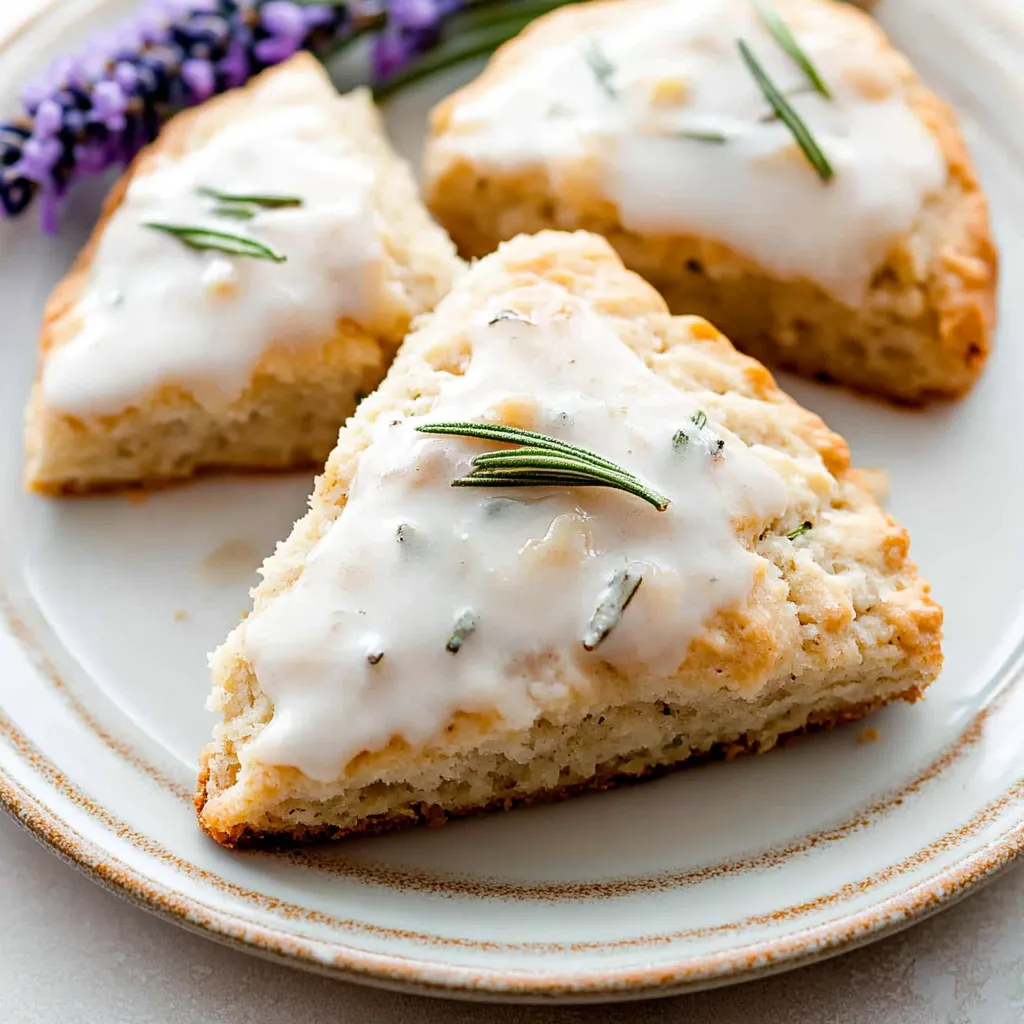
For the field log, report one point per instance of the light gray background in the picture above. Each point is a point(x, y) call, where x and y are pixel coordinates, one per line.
point(73, 952)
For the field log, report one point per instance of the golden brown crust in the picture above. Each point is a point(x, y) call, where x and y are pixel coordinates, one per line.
point(324, 380)
point(922, 332)
point(611, 776)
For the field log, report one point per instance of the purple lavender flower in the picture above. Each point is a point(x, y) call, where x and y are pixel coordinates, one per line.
point(413, 26)
point(97, 108)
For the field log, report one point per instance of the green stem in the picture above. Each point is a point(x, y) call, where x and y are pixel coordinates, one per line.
point(789, 117)
point(492, 30)
point(514, 435)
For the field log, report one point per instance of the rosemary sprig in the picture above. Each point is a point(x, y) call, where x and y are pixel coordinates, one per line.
point(512, 435)
point(603, 69)
point(266, 202)
point(778, 102)
point(701, 136)
point(611, 604)
point(238, 212)
point(784, 37)
point(469, 33)
point(541, 461)
point(714, 445)
point(464, 627)
point(798, 531)
point(200, 238)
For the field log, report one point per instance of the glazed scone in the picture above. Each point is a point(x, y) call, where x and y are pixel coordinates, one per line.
point(158, 359)
point(420, 650)
point(641, 120)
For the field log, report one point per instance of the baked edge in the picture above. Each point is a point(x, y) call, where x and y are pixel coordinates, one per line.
point(960, 279)
point(434, 816)
point(395, 176)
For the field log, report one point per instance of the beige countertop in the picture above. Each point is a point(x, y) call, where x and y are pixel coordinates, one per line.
point(72, 953)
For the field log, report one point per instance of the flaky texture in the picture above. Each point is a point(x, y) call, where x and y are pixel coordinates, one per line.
point(299, 396)
point(838, 621)
point(922, 331)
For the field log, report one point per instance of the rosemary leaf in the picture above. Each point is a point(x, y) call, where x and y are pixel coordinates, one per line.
point(375, 656)
point(541, 461)
point(785, 38)
point(799, 531)
point(513, 435)
point(236, 212)
point(713, 445)
point(613, 601)
point(802, 91)
point(778, 102)
point(528, 461)
point(702, 136)
point(267, 202)
point(603, 69)
point(200, 238)
point(512, 478)
point(464, 626)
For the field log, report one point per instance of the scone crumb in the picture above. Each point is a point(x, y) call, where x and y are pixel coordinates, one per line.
point(871, 83)
point(701, 330)
point(516, 411)
point(220, 280)
point(181, 615)
point(868, 735)
point(669, 91)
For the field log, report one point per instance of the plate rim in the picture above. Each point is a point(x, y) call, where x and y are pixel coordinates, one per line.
point(30, 808)
point(745, 962)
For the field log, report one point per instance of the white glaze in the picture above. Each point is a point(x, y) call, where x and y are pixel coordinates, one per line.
point(532, 570)
point(757, 194)
point(157, 313)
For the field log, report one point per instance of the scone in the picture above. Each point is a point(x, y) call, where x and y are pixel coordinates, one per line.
point(851, 243)
point(644, 552)
point(251, 277)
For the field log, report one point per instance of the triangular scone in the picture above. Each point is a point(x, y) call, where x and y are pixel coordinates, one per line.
point(419, 651)
point(158, 360)
point(642, 121)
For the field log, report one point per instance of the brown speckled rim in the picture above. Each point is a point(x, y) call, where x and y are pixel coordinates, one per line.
point(335, 956)
point(745, 962)
point(329, 860)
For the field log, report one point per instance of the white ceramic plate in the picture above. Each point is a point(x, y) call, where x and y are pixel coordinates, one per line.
point(719, 873)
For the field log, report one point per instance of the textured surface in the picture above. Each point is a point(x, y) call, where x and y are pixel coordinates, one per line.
point(297, 398)
point(71, 953)
point(834, 622)
point(921, 331)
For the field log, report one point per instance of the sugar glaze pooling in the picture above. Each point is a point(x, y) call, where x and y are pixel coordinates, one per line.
point(613, 111)
point(156, 313)
point(356, 651)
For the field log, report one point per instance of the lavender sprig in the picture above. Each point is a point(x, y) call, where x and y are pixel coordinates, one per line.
point(97, 108)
